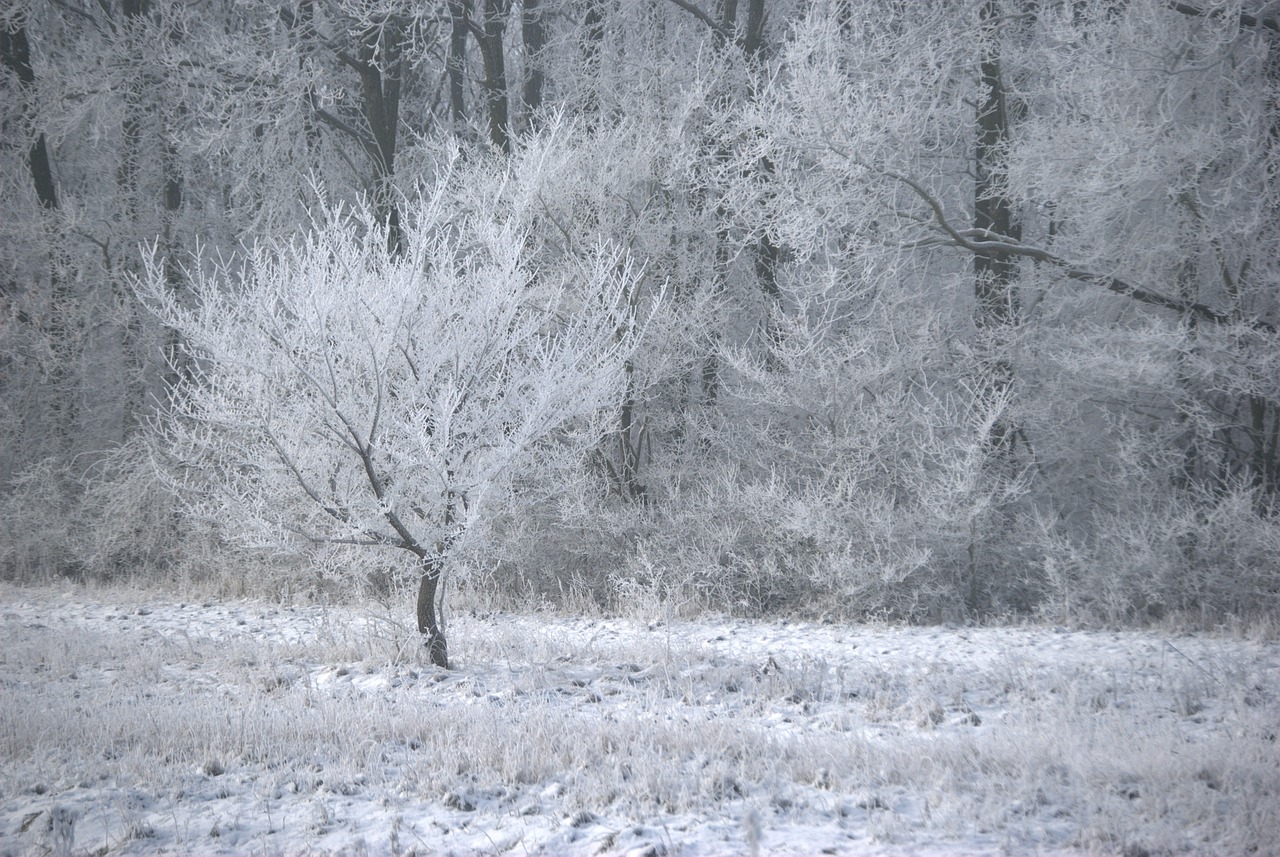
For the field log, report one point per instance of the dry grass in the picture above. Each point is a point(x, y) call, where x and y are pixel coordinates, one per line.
point(144, 714)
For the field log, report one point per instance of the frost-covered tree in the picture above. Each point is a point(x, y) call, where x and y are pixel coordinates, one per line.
point(1110, 169)
point(971, 301)
point(344, 395)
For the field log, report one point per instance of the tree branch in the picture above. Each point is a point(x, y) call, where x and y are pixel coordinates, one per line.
point(987, 242)
point(366, 142)
point(335, 512)
point(702, 16)
point(1246, 20)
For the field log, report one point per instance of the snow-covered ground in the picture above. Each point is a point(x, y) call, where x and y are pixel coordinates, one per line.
point(131, 723)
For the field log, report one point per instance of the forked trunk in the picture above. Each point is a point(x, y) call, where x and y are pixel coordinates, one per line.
point(428, 625)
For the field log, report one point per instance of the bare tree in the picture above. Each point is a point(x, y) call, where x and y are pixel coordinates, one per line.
point(350, 397)
point(1110, 239)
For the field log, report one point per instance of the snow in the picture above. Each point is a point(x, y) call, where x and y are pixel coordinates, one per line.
point(136, 724)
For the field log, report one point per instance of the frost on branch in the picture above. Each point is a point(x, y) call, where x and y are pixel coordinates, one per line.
point(346, 396)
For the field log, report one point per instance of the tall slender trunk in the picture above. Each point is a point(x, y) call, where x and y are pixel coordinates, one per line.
point(61, 411)
point(176, 366)
point(533, 30)
point(994, 273)
point(15, 51)
point(593, 24)
point(129, 184)
point(380, 63)
point(303, 26)
point(381, 69)
point(632, 447)
point(456, 62)
point(995, 291)
point(489, 34)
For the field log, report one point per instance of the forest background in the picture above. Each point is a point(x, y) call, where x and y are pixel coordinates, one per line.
point(950, 310)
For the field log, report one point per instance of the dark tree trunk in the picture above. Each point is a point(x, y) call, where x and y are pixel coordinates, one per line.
point(632, 447)
point(380, 63)
point(995, 291)
point(593, 24)
point(728, 13)
point(16, 53)
point(176, 366)
point(994, 273)
point(489, 35)
point(62, 413)
point(380, 78)
point(129, 182)
point(753, 35)
point(456, 62)
point(534, 32)
point(428, 624)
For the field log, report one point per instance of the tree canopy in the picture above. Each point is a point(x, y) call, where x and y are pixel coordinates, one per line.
point(965, 308)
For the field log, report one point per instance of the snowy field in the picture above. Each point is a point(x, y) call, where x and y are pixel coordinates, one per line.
point(132, 723)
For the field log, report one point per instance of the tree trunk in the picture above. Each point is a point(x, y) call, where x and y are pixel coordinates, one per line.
point(16, 53)
point(725, 32)
point(176, 367)
point(631, 447)
point(62, 331)
point(534, 33)
point(997, 301)
point(381, 70)
point(994, 289)
point(456, 62)
point(753, 38)
point(489, 36)
point(428, 625)
point(137, 86)
point(593, 37)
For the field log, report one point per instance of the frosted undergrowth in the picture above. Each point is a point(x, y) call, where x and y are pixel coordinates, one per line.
point(131, 724)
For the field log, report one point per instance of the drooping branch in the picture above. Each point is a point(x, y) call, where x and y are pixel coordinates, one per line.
point(987, 242)
point(366, 142)
point(702, 16)
point(1246, 20)
point(751, 41)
